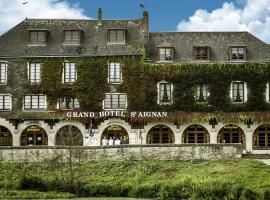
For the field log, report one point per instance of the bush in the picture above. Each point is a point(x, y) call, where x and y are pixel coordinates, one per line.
point(32, 183)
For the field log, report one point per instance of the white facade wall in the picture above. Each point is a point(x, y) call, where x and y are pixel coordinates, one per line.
point(136, 136)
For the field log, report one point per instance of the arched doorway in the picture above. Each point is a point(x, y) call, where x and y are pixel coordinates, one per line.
point(69, 136)
point(196, 134)
point(261, 136)
point(5, 137)
point(231, 134)
point(160, 134)
point(115, 132)
point(34, 135)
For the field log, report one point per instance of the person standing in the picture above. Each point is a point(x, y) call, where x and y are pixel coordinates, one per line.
point(117, 141)
point(111, 141)
point(104, 141)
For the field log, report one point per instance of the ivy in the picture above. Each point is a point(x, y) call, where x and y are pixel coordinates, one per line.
point(140, 84)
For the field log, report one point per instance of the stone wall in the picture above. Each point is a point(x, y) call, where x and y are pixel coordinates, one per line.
point(123, 152)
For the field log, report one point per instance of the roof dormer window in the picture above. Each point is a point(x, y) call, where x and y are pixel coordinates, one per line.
point(72, 37)
point(238, 53)
point(116, 36)
point(165, 54)
point(37, 37)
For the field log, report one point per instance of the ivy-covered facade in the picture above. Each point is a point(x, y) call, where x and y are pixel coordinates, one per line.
point(197, 87)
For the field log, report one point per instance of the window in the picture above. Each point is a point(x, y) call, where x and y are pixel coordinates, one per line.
point(3, 73)
point(116, 36)
point(37, 37)
point(165, 54)
point(115, 101)
point(201, 92)
point(238, 91)
point(68, 103)
point(238, 53)
point(72, 37)
point(5, 102)
point(114, 73)
point(201, 53)
point(69, 73)
point(267, 93)
point(34, 72)
point(34, 102)
point(165, 92)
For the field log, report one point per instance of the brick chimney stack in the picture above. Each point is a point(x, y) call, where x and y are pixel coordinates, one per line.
point(145, 25)
point(99, 16)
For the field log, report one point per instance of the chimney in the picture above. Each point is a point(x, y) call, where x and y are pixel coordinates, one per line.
point(99, 16)
point(145, 25)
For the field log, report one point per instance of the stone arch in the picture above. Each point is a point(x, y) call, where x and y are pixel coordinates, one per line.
point(231, 133)
point(6, 138)
point(115, 132)
point(195, 134)
point(34, 135)
point(69, 135)
point(261, 137)
point(160, 134)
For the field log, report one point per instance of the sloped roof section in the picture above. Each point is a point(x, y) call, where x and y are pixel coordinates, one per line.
point(15, 43)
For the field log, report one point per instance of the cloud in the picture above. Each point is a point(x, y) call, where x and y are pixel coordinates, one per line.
point(13, 11)
point(252, 16)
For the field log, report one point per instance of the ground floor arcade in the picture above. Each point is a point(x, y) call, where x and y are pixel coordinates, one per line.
point(255, 138)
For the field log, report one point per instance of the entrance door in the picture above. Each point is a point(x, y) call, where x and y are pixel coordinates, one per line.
point(34, 135)
point(115, 131)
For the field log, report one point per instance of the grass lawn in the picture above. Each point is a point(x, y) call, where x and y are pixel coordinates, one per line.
point(220, 179)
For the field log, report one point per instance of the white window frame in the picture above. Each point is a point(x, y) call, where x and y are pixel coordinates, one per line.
point(171, 93)
point(65, 99)
point(245, 92)
point(38, 109)
point(64, 71)
point(166, 61)
point(109, 73)
point(103, 102)
point(117, 29)
point(267, 92)
point(207, 94)
point(5, 75)
point(238, 60)
point(29, 72)
point(10, 102)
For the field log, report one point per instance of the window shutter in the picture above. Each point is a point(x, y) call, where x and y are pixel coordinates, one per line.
point(29, 37)
point(208, 53)
point(193, 53)
point(63, 36)
point(172, 54)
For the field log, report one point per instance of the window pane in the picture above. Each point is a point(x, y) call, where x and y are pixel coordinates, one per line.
point(120, 36)
point(112, 36)
point(3, 71)
point(37, 37)
point(115, 101)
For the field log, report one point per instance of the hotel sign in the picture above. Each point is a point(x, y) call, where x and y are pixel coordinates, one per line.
point(115, 113)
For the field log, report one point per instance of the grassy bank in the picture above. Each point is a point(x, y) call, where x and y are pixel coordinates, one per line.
point(222, 179)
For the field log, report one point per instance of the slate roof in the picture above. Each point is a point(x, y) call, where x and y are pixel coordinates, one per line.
point(14, 43)
point(219, 42)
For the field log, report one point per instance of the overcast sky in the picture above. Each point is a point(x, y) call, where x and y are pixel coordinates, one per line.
point(165, 15)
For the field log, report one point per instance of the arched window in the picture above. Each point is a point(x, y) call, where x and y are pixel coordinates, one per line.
point(34, 135)
point(69, 136)
point(160, 134)
point(231, 134)
point(261, 136)
point(5, 137)
point(196, 134)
